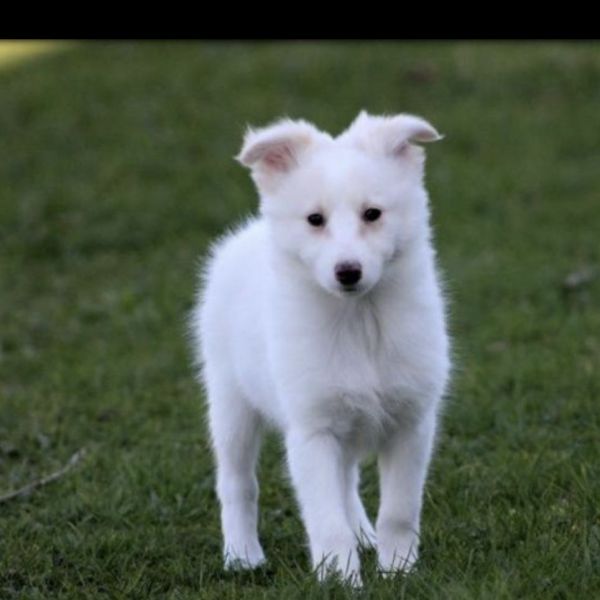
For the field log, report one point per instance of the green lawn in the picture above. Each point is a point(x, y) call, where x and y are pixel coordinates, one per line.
point(116, 171)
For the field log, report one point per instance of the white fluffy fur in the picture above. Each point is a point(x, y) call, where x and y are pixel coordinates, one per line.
point(339, 373)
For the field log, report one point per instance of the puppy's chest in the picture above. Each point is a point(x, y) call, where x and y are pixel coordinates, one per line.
point(373, 377)
point(368, 356)
point(357, 374)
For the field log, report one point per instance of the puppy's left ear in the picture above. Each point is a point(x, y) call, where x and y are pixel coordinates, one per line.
point(406, 129)
point(390, 136)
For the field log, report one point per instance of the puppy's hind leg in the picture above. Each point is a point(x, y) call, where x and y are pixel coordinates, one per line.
point(317, 466)
point(236, 430)
point(357, 515)
point(403, 464)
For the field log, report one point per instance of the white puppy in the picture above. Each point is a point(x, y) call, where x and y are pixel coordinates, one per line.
point(324, 317)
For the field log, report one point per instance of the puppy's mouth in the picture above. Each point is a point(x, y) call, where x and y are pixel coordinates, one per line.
point(355, 290)
point(352, 291)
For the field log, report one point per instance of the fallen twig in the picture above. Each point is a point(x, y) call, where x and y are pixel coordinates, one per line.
point(579, 278)
point(36, 483)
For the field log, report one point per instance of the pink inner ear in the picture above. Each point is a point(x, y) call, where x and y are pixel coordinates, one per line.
point(401, 148)
point(279, 157)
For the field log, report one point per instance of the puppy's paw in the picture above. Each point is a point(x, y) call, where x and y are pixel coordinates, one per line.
point(242, 557)
point(338, 558)
point(332, 569)
point(397, 551)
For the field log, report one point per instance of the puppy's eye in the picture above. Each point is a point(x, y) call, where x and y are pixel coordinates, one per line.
point(316, 219)
point(371, 214)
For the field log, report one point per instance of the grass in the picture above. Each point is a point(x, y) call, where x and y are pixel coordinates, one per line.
point(115, 174)
point(16, 52)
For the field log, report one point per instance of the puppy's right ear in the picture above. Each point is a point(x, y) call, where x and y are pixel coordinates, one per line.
point(274, 151)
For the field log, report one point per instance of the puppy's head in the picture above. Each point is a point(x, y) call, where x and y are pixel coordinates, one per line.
point(343, 207)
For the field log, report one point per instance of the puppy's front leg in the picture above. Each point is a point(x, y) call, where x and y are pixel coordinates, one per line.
point(403, 464)
point(317, 466)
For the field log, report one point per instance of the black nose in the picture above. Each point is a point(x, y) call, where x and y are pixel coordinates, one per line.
point(348, 273)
